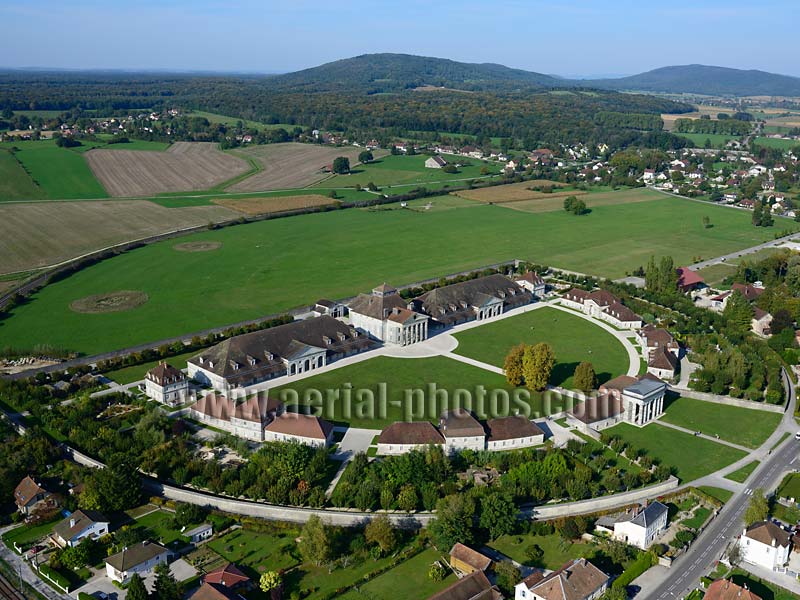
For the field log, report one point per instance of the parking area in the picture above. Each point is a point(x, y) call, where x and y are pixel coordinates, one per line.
point(99, 585)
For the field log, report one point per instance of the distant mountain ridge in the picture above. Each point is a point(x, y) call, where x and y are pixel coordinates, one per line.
point(386, 73)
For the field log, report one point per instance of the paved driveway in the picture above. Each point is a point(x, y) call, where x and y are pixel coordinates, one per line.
point(181, 569)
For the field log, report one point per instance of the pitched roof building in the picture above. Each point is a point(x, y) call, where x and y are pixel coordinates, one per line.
point(765, 544)
point(80, 525)
point(475, 586)
point(461, 431)
point(140, 558)
point(507, 433)
point(602, 305)
point(466, 560)
point(166, 384)
point(639, 526)
point(688, 280)
point(385, 316)
point(29, 495)
point(290, 349)
point(294, 427)
point(244, 419)
point(577, 580)
point(401, 437)
point(724, 589)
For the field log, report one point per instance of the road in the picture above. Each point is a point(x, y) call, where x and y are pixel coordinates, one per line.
point(737, 254)
point(685, 573)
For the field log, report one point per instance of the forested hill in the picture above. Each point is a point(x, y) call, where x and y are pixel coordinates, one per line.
point(381, 73)
point(702, 79)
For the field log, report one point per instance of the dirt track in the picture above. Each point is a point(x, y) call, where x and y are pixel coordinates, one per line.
point(184, 167)
point(290, 165)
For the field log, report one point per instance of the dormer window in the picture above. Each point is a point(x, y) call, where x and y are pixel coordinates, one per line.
point(442, 310)
point(269, 355)
point(326, 340)
point(463, 304)
point(234, 365)
point(501, 294)
point(354, 333)
point(342, 337)
point(251, 360)
point(200, 359)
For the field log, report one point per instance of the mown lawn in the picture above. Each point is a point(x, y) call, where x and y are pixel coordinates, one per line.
point(744, 426)
point(258, 552)
point(741, 475)
point(415, 390)
point(572, 338)
point(691, 457)
point(127, 375)
point(556, 550)
point(720, 494)
point(763, 589)
point(790, 486)
point(407, 581)
point(25, 535)
point(271, 266)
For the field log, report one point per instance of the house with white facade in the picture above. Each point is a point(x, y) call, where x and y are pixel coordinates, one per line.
point(246, 419)
point(461, 431)
point(579, 579)
point(302, 429)
point(325, 307)
point(78, 526)
point(385, 316)
point(510, 433)
point(201, 533)
point(141, 559)
point(166, 384)
point(602, 305)
point(435, 162)
point(532, 282)
point(766, 545)
point(761, 322)
point(291, 349)
point(401, 437)
point(639, 526)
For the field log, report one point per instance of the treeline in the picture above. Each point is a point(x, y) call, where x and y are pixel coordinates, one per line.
point(723, 127)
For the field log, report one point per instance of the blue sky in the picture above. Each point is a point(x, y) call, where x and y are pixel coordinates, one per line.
point(569, 37)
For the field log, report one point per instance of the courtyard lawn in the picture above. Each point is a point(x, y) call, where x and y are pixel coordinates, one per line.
point(691, 457)
point(127, 375)
point(415, 390)
point(407, 581)
point(748, 427)
point(159, 525)
point(697, 519)
point(271, 266)
point(741, 475)
point(556, 550)
point(258, 552)
point(26, 535)
point(573, 339)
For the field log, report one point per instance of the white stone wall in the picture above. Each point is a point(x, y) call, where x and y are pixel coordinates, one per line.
point(207, 377)
point(142, 569)
point(372, 326)
point(763, 555)
point(456, 444)
point(171, 394)
point(523, 442)
point(395, 449)
point(271, 436)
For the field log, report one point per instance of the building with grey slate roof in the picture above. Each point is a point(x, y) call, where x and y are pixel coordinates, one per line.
point(639, 526)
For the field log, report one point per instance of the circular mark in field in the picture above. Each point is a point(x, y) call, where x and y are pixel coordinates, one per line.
point(110, 302)
point(197, 246)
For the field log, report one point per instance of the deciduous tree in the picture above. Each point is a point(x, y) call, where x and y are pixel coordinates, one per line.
point(315, 541)
point(379, 531)
point(585, 379)
point(537, 365)
point(513, 365)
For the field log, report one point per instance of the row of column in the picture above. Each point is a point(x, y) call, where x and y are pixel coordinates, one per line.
point(485, 313)
point(644, 413)
point(415, 333)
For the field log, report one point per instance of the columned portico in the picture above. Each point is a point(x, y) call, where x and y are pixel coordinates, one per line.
point(644, 401)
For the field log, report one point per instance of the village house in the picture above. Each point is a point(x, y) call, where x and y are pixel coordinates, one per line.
point(325, 307)
point(201, 533)
point(579, 579)
point(663, 364)
point(466, 561)
point(635, 400)
point(291, 349)
point(604, 306)
point(30, 496)
point(461, 431)
point(303, 429)
point(532, 282)
point(435, 162)
point(725, 589)
point(225, 583)
point(474, 299)
point(475, 586)
point(166, 384)
point(760, 324)
point(766, 545)
point(639, 526)
point(80, 525)
point(385, 316)
point(401, 437)
point(651, 338)
point(508, 433)
point(243, 419)
point(140, 559)
point(688, 280)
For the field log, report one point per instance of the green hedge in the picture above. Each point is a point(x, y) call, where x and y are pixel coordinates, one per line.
point(54, 576)
point(639, 566)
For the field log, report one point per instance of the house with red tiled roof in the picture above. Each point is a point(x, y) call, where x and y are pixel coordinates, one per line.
point(387, 317)
point(579, 579)
point(467, 560)
point(602, 305)
point(766, 545)
point(30, 495)
point(532, 282)
point(475, 586)
point(304, 429)
point(725, 589)
point(688, 280)
point(229, 576)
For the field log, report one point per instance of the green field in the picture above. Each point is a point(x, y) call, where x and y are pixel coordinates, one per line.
point(127, 375)
point(720, 494)
point(403, 170)
point(15, 183)
point(780, 144)
point(744, 426)
point(715, 274)
point(697, 519)
point(741, 475)
point(572, 338)
point(691, 457)
point(271, 266)
point(556, 550)
point(60, 173)
point(718, 140)
point(401, 376)
point(231, 121)
point(790, 486)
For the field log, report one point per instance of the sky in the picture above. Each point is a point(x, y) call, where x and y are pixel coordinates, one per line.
point(563, 37)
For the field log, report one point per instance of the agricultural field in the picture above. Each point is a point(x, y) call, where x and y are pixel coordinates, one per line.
point(401, 170)
point(290, 165)
point(185, 166)
point(401, 376)
point(748, 427)
point(38, 234)
point(15, 183)
point(232, 121)
point(779, 143)
point(260, 206)
point(58, 173)
point(491, 342)
point(258, 270)
point(691, 457)
point(717, 140)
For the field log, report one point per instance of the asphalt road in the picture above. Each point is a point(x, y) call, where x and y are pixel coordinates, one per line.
point(685, 573)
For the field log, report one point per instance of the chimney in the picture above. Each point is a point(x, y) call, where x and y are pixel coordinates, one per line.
point(72, 522)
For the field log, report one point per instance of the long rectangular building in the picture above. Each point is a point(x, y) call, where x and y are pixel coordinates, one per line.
point(290, 349)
